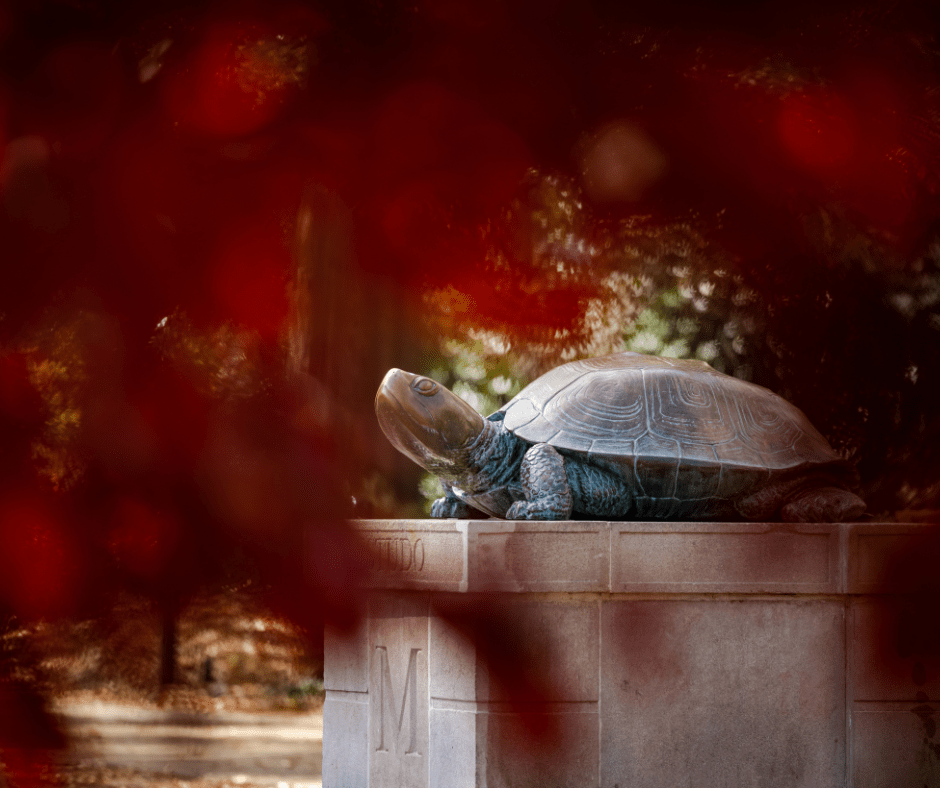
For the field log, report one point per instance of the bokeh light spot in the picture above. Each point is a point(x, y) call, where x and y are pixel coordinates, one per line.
point(620, 162)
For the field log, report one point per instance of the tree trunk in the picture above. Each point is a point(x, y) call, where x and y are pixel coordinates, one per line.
point(168, 645)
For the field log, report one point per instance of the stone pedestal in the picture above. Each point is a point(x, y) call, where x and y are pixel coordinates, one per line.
point(667, 654)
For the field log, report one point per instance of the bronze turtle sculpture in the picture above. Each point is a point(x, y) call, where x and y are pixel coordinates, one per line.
point(624, 436)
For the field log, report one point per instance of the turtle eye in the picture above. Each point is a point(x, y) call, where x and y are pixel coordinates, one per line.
point(425, 386)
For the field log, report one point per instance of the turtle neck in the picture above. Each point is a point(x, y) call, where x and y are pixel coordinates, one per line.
point(493, 459)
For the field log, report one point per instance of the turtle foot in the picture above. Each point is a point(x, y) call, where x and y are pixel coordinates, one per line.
point(451, 509)
point(824, 505)
point(547, 509)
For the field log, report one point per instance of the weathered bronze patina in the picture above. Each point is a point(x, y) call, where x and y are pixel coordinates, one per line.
point(624, 436)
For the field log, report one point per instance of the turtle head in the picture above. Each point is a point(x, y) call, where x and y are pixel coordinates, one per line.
point(427, 421)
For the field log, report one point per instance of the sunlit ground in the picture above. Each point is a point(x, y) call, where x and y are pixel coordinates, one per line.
point(114, 744)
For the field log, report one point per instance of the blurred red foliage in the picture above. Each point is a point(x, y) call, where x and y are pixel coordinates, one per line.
point(40, 562)
point(226, 88)
point(248, 278)
point(76, 95)
point(153, 161)
point(142, 539)
point(820, 133)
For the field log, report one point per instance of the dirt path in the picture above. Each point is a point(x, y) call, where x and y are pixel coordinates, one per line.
point(114, 744)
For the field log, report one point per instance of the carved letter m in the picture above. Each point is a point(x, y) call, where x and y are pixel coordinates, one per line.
point(409, 699)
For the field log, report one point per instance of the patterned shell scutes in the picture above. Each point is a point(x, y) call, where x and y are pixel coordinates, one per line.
point(628, 405)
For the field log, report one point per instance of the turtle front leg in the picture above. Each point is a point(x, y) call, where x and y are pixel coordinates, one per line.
point(545, 484)
point(450, 507)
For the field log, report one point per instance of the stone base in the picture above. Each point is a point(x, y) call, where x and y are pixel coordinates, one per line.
point(655, 655)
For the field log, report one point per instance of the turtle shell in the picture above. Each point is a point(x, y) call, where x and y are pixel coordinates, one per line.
point(682, 429)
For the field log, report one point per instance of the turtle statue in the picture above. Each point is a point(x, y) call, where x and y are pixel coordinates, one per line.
point(625, 436)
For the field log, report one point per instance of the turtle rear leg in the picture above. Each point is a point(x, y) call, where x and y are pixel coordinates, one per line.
point(823, 505)
point(545, 484)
